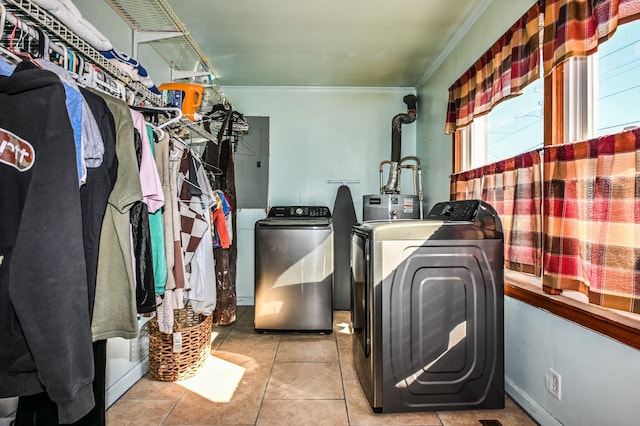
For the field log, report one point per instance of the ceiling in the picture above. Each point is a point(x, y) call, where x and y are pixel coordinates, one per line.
point(355, 43)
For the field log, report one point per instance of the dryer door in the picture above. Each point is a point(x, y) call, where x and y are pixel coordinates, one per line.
point(445, 331)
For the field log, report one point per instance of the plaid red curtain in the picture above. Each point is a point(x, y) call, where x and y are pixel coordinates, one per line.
point(513, 187)
point(502, 72)
point(577, 27)
point(592, 220)
point(467, 185)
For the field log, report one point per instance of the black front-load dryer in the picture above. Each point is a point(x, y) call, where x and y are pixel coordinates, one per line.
point(427, 310)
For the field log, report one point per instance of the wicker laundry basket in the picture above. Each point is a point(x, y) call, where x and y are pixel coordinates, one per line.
point(168, 363)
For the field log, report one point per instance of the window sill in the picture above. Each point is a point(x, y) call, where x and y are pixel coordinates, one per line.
point(619, 326)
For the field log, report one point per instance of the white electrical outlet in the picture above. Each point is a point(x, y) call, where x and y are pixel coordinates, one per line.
point(554, 383)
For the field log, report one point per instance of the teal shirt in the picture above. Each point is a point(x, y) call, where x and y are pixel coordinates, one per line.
point(157, 237)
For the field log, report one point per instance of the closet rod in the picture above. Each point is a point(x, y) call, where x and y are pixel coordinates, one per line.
point(31, 32)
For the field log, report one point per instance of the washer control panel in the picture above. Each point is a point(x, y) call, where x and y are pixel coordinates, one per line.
point(299, 211)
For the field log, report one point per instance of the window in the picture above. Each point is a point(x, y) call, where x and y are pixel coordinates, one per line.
point(513, 127)
point(598, 97)
point(617, 71)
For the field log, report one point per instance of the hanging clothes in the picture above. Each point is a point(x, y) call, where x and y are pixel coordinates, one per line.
point(115, 312)
point(141, 242)
point(193, 216)
point(40, 409)
point(202, 278)
point(156, 230)
point(44, 313)
point(94, 197)
point(164, 298)
point(220, 156)
point(152, 200)
point(75, 106)
point(94, 194)
point(216, 118)
point(90, 138)
point(82, 236)
point(179, 272)
point(221, 221)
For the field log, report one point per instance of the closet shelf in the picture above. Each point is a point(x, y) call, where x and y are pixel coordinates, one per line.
point(156, 23)
point(31, 13)
point(58, 32)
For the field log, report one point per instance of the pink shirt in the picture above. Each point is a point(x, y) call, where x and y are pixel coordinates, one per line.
point(152, 194)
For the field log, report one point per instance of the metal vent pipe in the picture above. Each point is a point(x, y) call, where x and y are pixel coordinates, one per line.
point(396, 142)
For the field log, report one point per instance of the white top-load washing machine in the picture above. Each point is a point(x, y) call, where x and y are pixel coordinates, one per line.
point(427, 311)
point(294, 270)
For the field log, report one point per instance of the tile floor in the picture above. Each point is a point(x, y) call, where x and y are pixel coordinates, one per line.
point(272, 379)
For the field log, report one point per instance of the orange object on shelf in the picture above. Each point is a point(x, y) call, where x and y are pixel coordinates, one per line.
point(186, 96)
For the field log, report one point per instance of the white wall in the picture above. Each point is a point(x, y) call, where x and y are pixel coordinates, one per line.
point(598, 374)
point(318, 135)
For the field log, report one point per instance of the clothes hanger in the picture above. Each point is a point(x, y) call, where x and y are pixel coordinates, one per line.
point(80, 65)
point(185, 145)
point(119, 89)
point(206, 194)
point(158, 132)
point(4, 51)
point(63, 58)
point(12, 38)
point(73, 62)
point(3, 19)
point(213, 170)
point(153, 113)
point(176, 111)
point(43, 44)
point(21, 35)
point(193, 126)
point(162, 111)
point(91, 76)
point(10, 56)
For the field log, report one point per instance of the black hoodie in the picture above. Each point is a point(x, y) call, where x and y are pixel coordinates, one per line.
point(45, 329)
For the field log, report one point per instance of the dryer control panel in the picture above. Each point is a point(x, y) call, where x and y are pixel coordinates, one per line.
point(461, 210)
point(299, 211)
point(480, 214)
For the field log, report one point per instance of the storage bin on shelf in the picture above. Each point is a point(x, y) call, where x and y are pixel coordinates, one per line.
point(170, 361)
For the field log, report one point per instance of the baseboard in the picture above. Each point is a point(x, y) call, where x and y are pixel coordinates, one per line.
point(125, 382)
point(245, 301)
point(534, 409)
